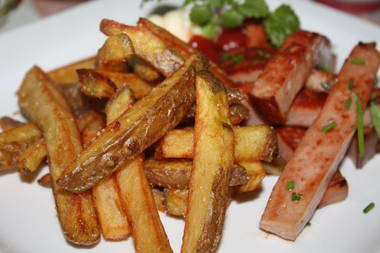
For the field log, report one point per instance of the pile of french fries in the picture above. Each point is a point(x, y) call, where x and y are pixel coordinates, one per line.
point(145, 125)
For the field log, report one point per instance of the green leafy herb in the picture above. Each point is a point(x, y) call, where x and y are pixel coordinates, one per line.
point(7, 6)
point(375, 116)
point(348, 103)
point(261, 53)
point(237, 59)
point(225, 56)
point(210, 30)
point(369, 207)
point(350, 84)
point(328, 127)
point(324, 68)
point(254, 9)
point(325, 86)
point(290, 185)
point(280, 23)
point(360, 126)
point(200, 14)
point(232, 18)
point(356, 61)
point(296, 196)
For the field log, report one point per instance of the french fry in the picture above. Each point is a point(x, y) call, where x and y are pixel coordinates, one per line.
point(135, 130)
point(147, 231)
point(209, 193)
point(32, 157)
point(112, 218)
point(103, 84)
point(114, 53)
point(122, 100)
point(77, 101)
point(45, 106)
point(8, 123)
point(45, 180)
point(159, 199)
point(143, 69)
point(176, 202)
point(146, 45)
point(256, 173)
point(175, 173)
point(67, 73)
point(252, 143)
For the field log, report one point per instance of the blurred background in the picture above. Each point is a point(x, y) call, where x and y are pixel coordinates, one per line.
point(14, 13)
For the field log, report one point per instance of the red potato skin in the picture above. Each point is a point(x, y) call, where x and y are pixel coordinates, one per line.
point(285, 74)
point(319, 153)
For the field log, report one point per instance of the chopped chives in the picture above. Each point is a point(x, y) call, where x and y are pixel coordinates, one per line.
point(324, 68)
point(261, 53)
point(350, 84)
point(357, 61)
point(225, 56)
point(348, 103)
point(237, 59)
point(296, 196)
point(328, 127)
point(360, 126)
point(325, 86)
point(369, 207)
point(290, 185)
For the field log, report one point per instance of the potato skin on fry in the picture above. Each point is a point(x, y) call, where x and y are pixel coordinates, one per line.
point(45, 106)
point(209, 193)
point(135, 130)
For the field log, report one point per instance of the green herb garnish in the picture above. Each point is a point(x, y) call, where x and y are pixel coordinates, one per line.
point(296, 196)
point(261, 53)
point(324, 68)
point(237, 59)
point(290, 185)
point(356, 61)
point(369, 207)
point(375, 116)
point(328, 127)
point(348, 103)
point(325, 86)
point(360, 126)
point(225, 56)
point(350, 84)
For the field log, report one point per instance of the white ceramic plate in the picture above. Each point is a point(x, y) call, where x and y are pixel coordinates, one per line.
point(28, 221)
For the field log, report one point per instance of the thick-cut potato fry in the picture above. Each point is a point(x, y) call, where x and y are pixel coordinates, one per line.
point(175, 173)
point(176, 202)
point(77, 101)
point(68, 74)
point(112, 218)
point(256, 174)
point(209, 193)
point(252, 143)
point(8, 123)
point(14, 141)
point(99, 83)
point(45, 180)
point(159, 199)
point(32, 157)
point(143, 69)
point(114, 54)
point(146, 45)
point(135, 130)
point(121, 101)
point(45, 106)
point(148, 233)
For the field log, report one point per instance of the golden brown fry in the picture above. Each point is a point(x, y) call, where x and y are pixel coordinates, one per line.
point(175, 173)
point(114, 53)
point(143, 69)
point(209, 193)
point(77, 101)
point(68, 74)
point(135, 130)
point(148, 233)
point(8, 123)
point(252, 143)
point(45, 180)
point(256, 174)
point(121, 101)
point(176, 202)
point(159, 199)
point(92, 128)
point(32, 157)
point(103, 84)
point(146, 45)
point(45, 106)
